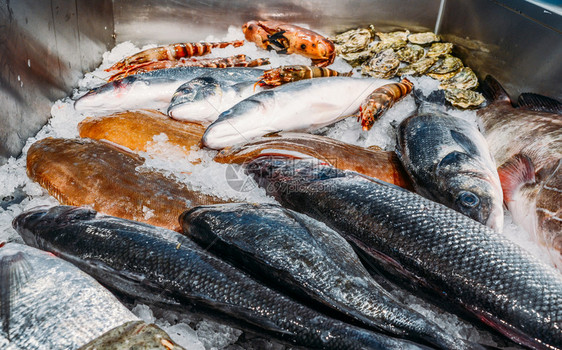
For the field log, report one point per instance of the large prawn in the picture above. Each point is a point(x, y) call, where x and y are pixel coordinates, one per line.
point(286, 74)
point(288, 38)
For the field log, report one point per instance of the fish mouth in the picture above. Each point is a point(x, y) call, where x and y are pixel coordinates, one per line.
point(26, 222)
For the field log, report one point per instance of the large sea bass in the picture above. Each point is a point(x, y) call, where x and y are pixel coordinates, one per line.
point(292, 251)
point(304, 105)
point(154, 90)
point(407, 235)
point(156, 265)
point(527, 146)
point(48, 303)
point(449, 162)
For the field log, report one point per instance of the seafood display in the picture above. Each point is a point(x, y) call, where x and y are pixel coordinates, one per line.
point(306, 256)
point(383, 165)
point(288, 38)
point(72, 312)
point(449, 162)
point(104, 177)
point(221, 62)
point(527, 147)
point(300, 106)
point(163, 266)
point(153, 90)
point(425, 243)
point(136, 129)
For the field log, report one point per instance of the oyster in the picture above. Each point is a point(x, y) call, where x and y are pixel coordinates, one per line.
point(354, 40)
point(440, 49)
point(385, 45)
point(419, 67)
point(382, 65)
point(443, 76)
point(394, 36)
point(446, 64)
point(357, 58)
point(423, 38)
point(410, 53)
point(464, 79)
point(464, 98)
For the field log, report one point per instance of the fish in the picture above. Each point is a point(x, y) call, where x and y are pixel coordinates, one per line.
point(160, 266)
point(202, 99)
point(48, 303)
point(136, 129)
point(527, 147)
point(449, 162)
point(153, 90)
point(304, 105)
point(425, 246)
point(105, 177)
point(383, 165)
point(297, 253)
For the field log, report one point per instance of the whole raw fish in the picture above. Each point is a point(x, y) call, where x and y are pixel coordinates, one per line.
point(156, 265)
point(383, 165)
point(153, 90)
point(48, 303)
point(527, 146)
point(449, 162)
point(303, 105)
point(420, 241)
point(294, 252)
point(100, 175)
point(135, 129)
point(201, 100)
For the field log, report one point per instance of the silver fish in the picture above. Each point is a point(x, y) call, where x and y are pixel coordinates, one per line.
point(202, 99)
point(153, 90)
point(48, 303)
point(527, 146)
point(303, 105)
point(448, 161)
point(415, 240)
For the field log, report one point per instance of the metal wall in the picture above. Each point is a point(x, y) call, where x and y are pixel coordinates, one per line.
point(45, 46)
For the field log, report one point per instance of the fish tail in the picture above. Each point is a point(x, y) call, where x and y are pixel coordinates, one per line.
point(536, 102)
point(493, 91)
point(14, 271)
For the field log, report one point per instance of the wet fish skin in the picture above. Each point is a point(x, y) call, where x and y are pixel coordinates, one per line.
point(449, 162)
point(446, 252)
point(159, 265)
point(53, 305)
point(98, 174)
point(303, 105)
point(383, 165)
point(154, 89)
point(202, 99)
point(135, 129)
point(300, 253)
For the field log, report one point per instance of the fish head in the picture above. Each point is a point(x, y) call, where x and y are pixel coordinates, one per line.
point(466, 186)
point(197, 100)
point(35, 226)
point(107, 97)
point(244, 121)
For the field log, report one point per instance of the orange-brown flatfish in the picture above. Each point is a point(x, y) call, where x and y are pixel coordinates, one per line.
point(383, 165)
point(85, 172)
point(134, 129)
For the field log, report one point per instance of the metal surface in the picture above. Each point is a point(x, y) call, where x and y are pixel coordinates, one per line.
point(45, 46)
point(522, 53)
point(165, 21)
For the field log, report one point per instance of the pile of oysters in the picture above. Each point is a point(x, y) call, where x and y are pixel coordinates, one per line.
point(403, 53)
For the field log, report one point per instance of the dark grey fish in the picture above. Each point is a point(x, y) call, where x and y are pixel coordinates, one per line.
point(161, 266)
point(449, 162)
point(464, 262)
point(154, 90)
point(292, 250)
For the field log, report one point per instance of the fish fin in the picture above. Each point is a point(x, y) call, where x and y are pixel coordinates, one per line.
point(463, 141)
point(517, 171)
point(539, 103)
point(493, 91)
point(14, 271)
point(435, 97)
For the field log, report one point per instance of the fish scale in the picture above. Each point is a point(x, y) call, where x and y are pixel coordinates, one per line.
point(499, 282)
point(158, 265)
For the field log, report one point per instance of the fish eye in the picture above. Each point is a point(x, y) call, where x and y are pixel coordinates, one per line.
point(468, 199)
